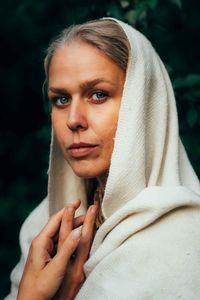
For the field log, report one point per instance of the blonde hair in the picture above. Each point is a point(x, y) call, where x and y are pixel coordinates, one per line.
point(104, 34)
point(108, 37)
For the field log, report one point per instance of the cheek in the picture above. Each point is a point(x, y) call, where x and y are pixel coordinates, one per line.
point(54, 119)
point(59, 125)
point(107, 133)
point(109, 136)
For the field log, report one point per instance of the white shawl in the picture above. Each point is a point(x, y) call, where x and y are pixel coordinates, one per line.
point(149, 245)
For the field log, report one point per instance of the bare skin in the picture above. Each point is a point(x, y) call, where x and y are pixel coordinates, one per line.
point(85, 88)
point(59, 277)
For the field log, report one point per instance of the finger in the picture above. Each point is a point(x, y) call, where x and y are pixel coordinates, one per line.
point(66, 225)
point(42, 245)
point(67, 221)
point(58, 240)
point(78, 221)
point(76, 203)
point(55, 269)
point(52, 226)
point(59, 262)
point(86, 237)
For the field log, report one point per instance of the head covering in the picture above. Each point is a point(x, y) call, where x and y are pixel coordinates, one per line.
point(149, 245)
point(147, 150)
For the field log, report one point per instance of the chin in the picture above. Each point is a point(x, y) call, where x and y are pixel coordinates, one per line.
point(87, 173)
point(85, 170)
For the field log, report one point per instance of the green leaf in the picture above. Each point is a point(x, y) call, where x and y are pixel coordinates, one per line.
point(115, 10)
point(131, 16)
point(142, 6)
point(124, 3)
point(152, 4)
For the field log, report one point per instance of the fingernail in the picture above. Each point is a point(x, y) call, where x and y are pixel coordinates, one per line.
point(76, 234)
point(70, 209)
point(93, 209)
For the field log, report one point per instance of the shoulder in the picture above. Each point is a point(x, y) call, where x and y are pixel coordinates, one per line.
point(161, 261)
point(165, 257)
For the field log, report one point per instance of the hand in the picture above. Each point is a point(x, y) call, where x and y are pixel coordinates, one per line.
point(44, 273)
point(74, 276)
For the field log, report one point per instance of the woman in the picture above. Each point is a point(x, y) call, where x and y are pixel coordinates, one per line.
point(115, 124)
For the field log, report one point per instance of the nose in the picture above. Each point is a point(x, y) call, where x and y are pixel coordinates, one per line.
point(77, 116)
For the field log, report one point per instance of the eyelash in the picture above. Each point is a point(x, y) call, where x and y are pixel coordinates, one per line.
point(105, 95)
point(55, 100)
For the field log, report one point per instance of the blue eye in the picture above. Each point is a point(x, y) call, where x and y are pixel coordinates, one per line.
point(99, 96)
point(61, 101)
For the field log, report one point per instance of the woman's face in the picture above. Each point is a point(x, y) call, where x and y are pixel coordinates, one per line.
point(85, 88)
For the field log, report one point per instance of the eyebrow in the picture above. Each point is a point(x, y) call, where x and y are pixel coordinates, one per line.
point(86, 85)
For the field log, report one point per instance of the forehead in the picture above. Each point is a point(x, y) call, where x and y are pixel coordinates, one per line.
point(80, 60)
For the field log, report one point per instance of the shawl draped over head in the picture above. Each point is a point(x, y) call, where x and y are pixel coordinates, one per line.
point(149, 245)
point(147, 150)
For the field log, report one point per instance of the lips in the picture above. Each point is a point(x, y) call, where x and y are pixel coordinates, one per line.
point(81, 149)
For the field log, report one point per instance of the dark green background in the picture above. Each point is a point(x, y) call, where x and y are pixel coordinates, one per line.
point(26, 28)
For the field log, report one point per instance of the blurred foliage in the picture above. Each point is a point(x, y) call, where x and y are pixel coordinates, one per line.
point(26, 28)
